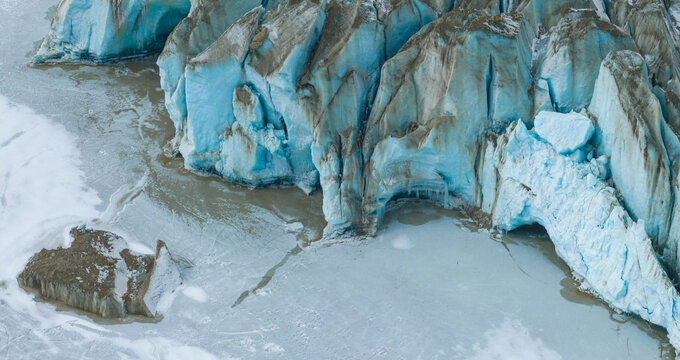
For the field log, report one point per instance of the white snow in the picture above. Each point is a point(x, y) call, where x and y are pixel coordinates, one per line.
point(41, 186)
point(512, 341)
point(140, 247)
point(156, 348)
point(195, 293)
point(294, 227)
point(402, 242)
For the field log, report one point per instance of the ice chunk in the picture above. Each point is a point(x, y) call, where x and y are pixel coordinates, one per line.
point(565, 132)
point(98, 273)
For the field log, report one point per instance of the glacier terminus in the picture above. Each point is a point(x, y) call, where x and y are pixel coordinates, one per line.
point(560, 113)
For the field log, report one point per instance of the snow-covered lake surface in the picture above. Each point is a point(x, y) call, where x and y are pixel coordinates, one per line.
point(82, 144)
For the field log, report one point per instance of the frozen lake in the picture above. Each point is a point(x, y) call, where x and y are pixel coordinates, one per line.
point(83, 144)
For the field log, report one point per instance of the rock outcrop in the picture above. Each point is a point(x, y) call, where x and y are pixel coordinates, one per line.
point(99, 274)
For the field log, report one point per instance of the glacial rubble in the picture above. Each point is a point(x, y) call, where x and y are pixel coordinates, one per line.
point(99, 274)
point(562, 113)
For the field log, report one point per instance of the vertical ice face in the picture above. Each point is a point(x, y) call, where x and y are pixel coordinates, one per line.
point(209, 80)
point(206, 21)
point(569, 61)
point(629, 120)
point(280, 50)
point(653, 24)
point(337, 85)
point(436, 98)
point(313, 83)
point(103, 30)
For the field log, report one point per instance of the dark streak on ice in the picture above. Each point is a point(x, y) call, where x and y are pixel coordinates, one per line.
point(12, 138)
point(268, 275)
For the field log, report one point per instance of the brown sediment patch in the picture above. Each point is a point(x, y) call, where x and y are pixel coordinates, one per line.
point(97, 274)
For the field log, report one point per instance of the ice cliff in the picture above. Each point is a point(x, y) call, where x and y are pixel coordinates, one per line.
point(99, 31)
point(562, 113)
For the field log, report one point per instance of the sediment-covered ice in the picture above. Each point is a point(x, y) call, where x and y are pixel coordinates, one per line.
point(632, 132)
point(569, 57)
point(99, 274)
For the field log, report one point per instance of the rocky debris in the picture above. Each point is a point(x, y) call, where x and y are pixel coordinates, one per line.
point(99, 274)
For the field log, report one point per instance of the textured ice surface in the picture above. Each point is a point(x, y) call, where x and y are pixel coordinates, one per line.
point(569, 58)
point(604, 247)
point(207, 20)
point(422, 136)
point(565, 132)
point(104, 30)
point(631, 131)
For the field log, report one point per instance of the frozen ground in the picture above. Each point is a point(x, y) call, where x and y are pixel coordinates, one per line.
point(83, 144)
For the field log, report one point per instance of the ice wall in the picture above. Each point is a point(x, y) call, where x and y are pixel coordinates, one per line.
point(104, 30)
point(435, 101)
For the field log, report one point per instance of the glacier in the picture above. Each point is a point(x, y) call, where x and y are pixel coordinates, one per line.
point(561, 113)
point(606, 249)
point(101, 31)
